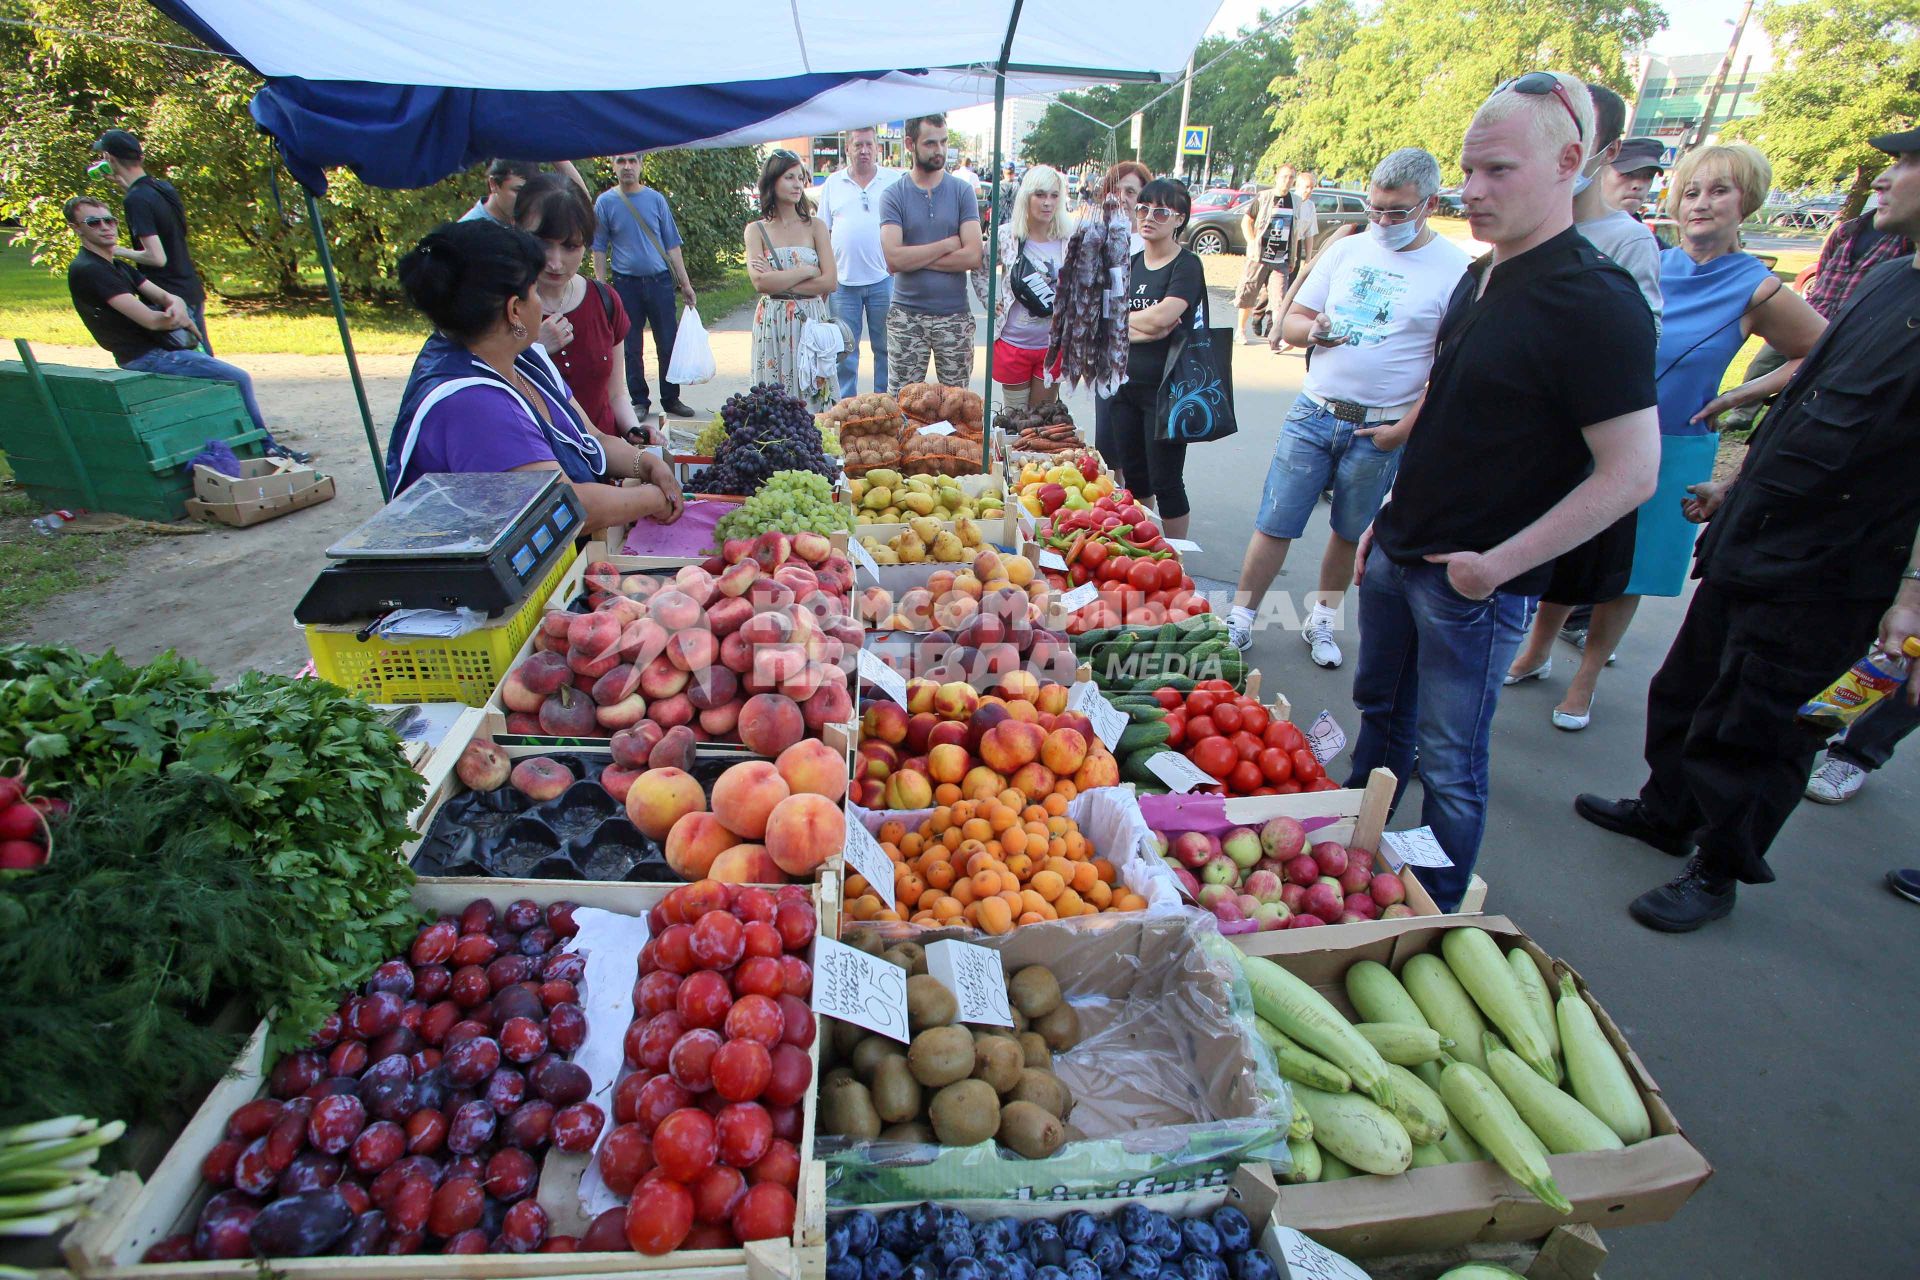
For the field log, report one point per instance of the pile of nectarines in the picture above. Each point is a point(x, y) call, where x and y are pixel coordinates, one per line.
point(991, 864)
point(994, 583)
point(764, 821)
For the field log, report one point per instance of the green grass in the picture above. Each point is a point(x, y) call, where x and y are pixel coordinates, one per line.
point(34, 305)
point(35, 567)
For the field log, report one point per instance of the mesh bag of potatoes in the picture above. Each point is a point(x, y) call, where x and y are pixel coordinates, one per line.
point(869, 427)
point(1131, 1056)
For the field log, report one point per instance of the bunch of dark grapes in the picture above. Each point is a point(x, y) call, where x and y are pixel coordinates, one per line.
point(768, 430)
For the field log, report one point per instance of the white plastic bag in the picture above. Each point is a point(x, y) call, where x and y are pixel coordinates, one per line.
point(692, 360)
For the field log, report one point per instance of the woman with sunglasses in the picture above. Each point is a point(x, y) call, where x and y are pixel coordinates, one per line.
point(1166, 282)
point(790, 260)
point(484, 396)
point(1033, 243)
point(1123, 181)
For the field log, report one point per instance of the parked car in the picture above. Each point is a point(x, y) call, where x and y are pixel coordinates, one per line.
point(1335, 207)
point(1222, 230)
point(1811, 215)
point(1451, 205)
point(1223, 198)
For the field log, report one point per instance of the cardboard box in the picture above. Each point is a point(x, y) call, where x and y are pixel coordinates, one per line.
point(1451, 1205)
point(266, 489)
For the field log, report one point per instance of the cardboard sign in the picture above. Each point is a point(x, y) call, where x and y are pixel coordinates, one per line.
point(1302, 1259)
point(865, 856)
point(882, 676)
point(937, 429)
point(1325, 737)
point(1080, 597)
point(1183, 546)
point(1053, 560)
point(1179, 773)
point(975, 977)
point(1418, 847)
point(855, 987)
point(862, 558)
point(1108, 721)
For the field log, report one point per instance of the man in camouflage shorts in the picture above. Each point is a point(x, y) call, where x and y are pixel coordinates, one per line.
point(930, 233)
point(914, 335)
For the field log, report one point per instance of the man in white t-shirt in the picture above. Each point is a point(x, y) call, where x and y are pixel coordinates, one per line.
point(1368, 314)
point(850, 206)
point(1609, 228)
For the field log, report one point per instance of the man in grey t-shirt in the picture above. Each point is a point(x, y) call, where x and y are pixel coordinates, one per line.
point(930, 233)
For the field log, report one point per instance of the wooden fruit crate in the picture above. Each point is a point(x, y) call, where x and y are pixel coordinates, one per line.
point(131, 1216)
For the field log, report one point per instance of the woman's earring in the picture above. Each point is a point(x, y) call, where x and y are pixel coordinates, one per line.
point(518, 331)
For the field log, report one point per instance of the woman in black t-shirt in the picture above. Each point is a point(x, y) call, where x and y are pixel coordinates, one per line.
point(1167, 282)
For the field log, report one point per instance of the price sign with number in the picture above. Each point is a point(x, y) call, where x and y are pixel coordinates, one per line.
point(1418, 847)
point(1080, 597)
point(1325, 737)
point(975, 977)
point(855, 987)
point(862, 558)
point(1179, 773)
point(865, 856)
point(877, 673)
point(1109, 722)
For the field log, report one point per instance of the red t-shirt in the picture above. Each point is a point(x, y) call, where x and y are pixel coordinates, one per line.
point(587, 362)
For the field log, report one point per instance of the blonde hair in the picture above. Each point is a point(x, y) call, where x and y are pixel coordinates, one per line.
point(1549, 116)
point(1038, 177)
point(1743, 165)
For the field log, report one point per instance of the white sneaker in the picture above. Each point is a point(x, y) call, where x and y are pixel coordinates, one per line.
point(1835, 781)
point(1239, 635)
point(1319, 638)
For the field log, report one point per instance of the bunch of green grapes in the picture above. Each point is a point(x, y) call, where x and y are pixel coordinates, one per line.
point(710, 437)
point(790, 501)
point(829, 437)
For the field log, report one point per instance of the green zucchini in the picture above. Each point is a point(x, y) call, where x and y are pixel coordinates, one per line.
point(1302, 1066)
point(1358, 1130)
point(1306, 1161)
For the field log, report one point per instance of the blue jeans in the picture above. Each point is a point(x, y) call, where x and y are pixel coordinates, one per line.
point(1317, 449)
point(865, 306)
point(198, 364)
point(649, 304)
point(1428, 679)
point(199, 315)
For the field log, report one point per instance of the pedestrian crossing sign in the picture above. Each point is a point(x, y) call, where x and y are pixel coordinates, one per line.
point(1193, 142)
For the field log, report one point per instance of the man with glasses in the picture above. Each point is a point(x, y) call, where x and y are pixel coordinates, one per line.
point(156, 226)
point(1538, 430)
point(930, 234)
point(634, 224)
point(1367, 314)
point(850, 206)
point(138, 323)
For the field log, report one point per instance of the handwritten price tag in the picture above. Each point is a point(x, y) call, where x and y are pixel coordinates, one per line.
point(1108, 721)
point(1053, 560)
point(975, 977)
point(1306, 1260)
point(866, 857)
point(1179, 773)
point(937, 429)
point(855, 987)
point(862, 558)
point(1325, 737)
point(1080, 597)
point(1183, 546)
point(875, 672)
point(1418, 847)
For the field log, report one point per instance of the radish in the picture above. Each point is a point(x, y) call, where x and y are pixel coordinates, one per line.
point(21, 855)
point(20, 821)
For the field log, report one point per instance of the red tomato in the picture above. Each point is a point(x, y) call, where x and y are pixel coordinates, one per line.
point(1202, 702)
point(1176, 729)
point(1244, 778)
point(1287, 788)
point(1227, 717)
point(1214, 756)
point(1283, 734)
point(1170, 574)
point(1200, 728)
point(1168, 698)
point(1217, 686)
point(1199, 605)
point(1143, 575)
point(1253, 717)
point(1114, 569)
point(1245, 745)
point(1305, 767)
point(1093, 555)
point(1145, 530)
point(1275, 764)
point(1323, 784)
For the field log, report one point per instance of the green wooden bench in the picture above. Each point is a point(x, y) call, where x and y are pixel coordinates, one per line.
point(114, 439)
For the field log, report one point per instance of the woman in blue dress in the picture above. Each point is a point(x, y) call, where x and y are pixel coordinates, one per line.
point(1716, 297)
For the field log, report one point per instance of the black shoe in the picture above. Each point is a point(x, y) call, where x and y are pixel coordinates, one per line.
point(1905, 883)
point(274, 449)
point(1685, 902)
point(678, 408)
point(1629, 818)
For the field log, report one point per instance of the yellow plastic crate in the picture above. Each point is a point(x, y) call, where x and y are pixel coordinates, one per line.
point(466, 669)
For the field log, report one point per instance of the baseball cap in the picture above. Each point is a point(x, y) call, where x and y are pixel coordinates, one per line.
point(1640, 153)
point(119, 144)
point(1895, 144)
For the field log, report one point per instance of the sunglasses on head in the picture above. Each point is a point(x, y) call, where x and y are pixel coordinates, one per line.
point(1539, 84)
point(102, 220)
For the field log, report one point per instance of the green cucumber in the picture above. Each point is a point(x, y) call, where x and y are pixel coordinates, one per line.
point(1136, 736)
point(1153, 684)
point(1134, 768)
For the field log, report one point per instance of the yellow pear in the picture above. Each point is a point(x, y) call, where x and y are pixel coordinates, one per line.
point(877, 498)
point(948, 549)
point(925, 527)
point(909, 546)
point(885, 555)
point(969, 533)
point(919, 503)
point(883, 476)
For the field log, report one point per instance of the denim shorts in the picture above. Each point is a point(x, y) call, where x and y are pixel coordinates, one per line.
point(1316, 449)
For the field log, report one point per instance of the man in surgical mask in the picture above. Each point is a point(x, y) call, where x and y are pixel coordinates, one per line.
point(1610, 229)
point(1368, 313)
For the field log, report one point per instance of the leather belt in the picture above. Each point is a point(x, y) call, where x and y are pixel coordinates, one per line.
point(1348, 411)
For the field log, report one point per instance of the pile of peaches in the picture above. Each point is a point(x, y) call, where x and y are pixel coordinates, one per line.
point(952, 742)
point(995, 583)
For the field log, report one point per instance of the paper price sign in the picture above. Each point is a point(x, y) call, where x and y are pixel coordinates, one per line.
point(937, 429)
point(1325, 737)
point(1183, 546)
point(862, 558)
point(1306, 1260)
point(879, 674)
point(1418, 847)
point(1080, 597)
point(865, 856)
point(974, 975)
point(1108, 721)
point(855, 987)
point(1053, 560)
point(1024, 519)
point(1179, 773)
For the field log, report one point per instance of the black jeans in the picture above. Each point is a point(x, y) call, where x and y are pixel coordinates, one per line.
point(649, 304)
point(1727, 756)
point(1871, 739)
point(1152, 466)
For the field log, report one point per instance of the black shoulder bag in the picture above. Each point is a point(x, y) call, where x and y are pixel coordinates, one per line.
point(1195, 404)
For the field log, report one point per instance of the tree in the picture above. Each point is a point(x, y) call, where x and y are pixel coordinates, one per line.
point(1412, 72)
point(1847, 70)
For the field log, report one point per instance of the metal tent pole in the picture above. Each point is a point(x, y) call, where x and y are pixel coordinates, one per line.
point(993, 241)
point(346, 343)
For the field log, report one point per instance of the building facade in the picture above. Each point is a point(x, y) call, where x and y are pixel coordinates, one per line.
point(1670, 97)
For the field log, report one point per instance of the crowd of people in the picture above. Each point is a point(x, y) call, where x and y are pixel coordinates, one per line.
point(1515, 448)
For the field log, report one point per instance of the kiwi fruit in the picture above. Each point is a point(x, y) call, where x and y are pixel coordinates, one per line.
point(837, 1073)
point(867, 940)
point(846, 1036)
point(895, 1093)
point(1060, 1029)
point(846, 1109)
point(964, 1113)
point(991, 1033)
point(1039, 1052)
point(909, 1131)
point(871, 1052)
point(1031, 1130)
point(998, 1061)
point(1034, 991)
point(910, 956)
point(941, 1055)
point(1020, 1020)
point(929, 1004)
point(1045, 1090)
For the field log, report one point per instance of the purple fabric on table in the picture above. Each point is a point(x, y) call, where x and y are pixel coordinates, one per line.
point(1205, 814)
point(478, 429)
point(690, 535)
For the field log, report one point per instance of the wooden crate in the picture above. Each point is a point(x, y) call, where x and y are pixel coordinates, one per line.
point(131, 1216)
point(114, 439)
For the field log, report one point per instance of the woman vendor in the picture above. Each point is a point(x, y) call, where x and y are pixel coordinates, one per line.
point(484, 396)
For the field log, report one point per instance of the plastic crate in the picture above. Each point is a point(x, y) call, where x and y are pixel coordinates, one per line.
point(466, 669)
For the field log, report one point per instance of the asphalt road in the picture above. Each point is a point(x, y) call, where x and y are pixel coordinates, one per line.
point(1784, 1038)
